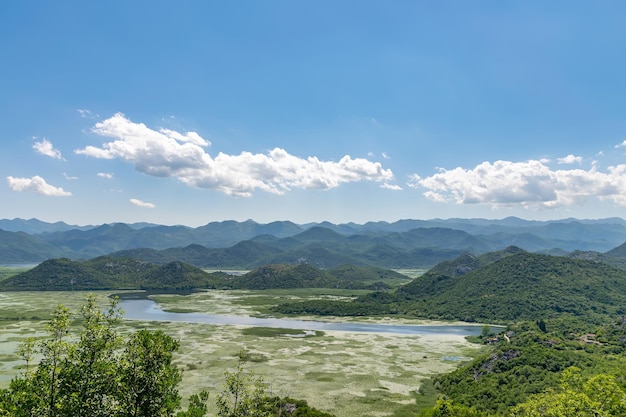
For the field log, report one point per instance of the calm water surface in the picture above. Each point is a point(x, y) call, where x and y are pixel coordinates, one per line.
point(143, 309)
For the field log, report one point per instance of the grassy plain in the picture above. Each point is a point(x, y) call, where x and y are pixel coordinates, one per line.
point(346, 373)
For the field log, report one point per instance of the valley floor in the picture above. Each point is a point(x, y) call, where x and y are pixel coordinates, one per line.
point(346, 373)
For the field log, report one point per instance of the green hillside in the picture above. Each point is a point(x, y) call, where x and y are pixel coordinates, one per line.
point(524, 286)
point(307, 276)
point(109, 273)
point(348, 272)
point(532, 359)
point(285, 276)
point(502, 286)
point(129, 273)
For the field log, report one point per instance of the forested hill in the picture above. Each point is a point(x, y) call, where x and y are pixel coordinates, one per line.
point(525, 286)
point(128, 273)
point(110, 273)
point(307, 276)
point(501, 287)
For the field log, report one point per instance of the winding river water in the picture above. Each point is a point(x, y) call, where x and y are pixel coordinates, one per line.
point(145, 309)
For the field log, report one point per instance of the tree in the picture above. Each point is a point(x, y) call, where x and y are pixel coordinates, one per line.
point(197, 405)
point(148, 376)
point(97, 373)
point(244, 395)
point(445, 408)
point(90, 371)
point(600, 396)
point(44, 382)
point(542, 325)
point(100, 373)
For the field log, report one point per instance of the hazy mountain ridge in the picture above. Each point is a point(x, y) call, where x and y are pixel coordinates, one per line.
point(405, 243)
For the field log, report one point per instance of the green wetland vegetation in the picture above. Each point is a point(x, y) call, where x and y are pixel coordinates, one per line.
point(562, 351)
point(344, 373)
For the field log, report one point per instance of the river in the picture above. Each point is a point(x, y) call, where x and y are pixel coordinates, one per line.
point(149, 310)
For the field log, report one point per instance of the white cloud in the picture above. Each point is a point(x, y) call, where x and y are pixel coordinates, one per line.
point(570, 159)
point(140, 203)
point(67, 177)
point(393, 187)
point(87, 114)
point(106, 175)
point(385, 156)
point(621, 145)
point(191, 137)
point(166, 153)
point(36, 184)
point(530, 184)
point(45, 148)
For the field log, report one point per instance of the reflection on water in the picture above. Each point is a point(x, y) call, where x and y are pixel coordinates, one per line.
point(143, 309)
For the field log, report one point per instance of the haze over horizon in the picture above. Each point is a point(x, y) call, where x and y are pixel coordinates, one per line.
point(345, 112)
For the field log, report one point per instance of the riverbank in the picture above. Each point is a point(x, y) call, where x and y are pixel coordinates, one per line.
point(346, 373)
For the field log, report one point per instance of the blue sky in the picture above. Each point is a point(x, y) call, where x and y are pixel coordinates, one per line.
point(197, 111)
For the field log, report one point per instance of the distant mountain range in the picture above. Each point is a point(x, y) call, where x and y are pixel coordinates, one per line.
point(232, 244)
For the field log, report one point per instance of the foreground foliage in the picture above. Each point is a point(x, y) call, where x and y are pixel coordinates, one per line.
point(101, 373)
point(247, 395)
point(598, 396)
point(543, 368)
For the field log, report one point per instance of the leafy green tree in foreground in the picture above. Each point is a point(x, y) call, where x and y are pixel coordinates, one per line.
point(98, 373)
point(445, 408)
point(244, 394)
point(600, 396)
point(247, 395)
point(148, 376)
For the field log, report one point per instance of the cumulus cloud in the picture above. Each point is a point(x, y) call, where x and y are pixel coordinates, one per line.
point(36, 184)
point(570, 159)
point(45, 148)
point(531, 184)
point(140, 203)
point(106, 175)
point(167, 153)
